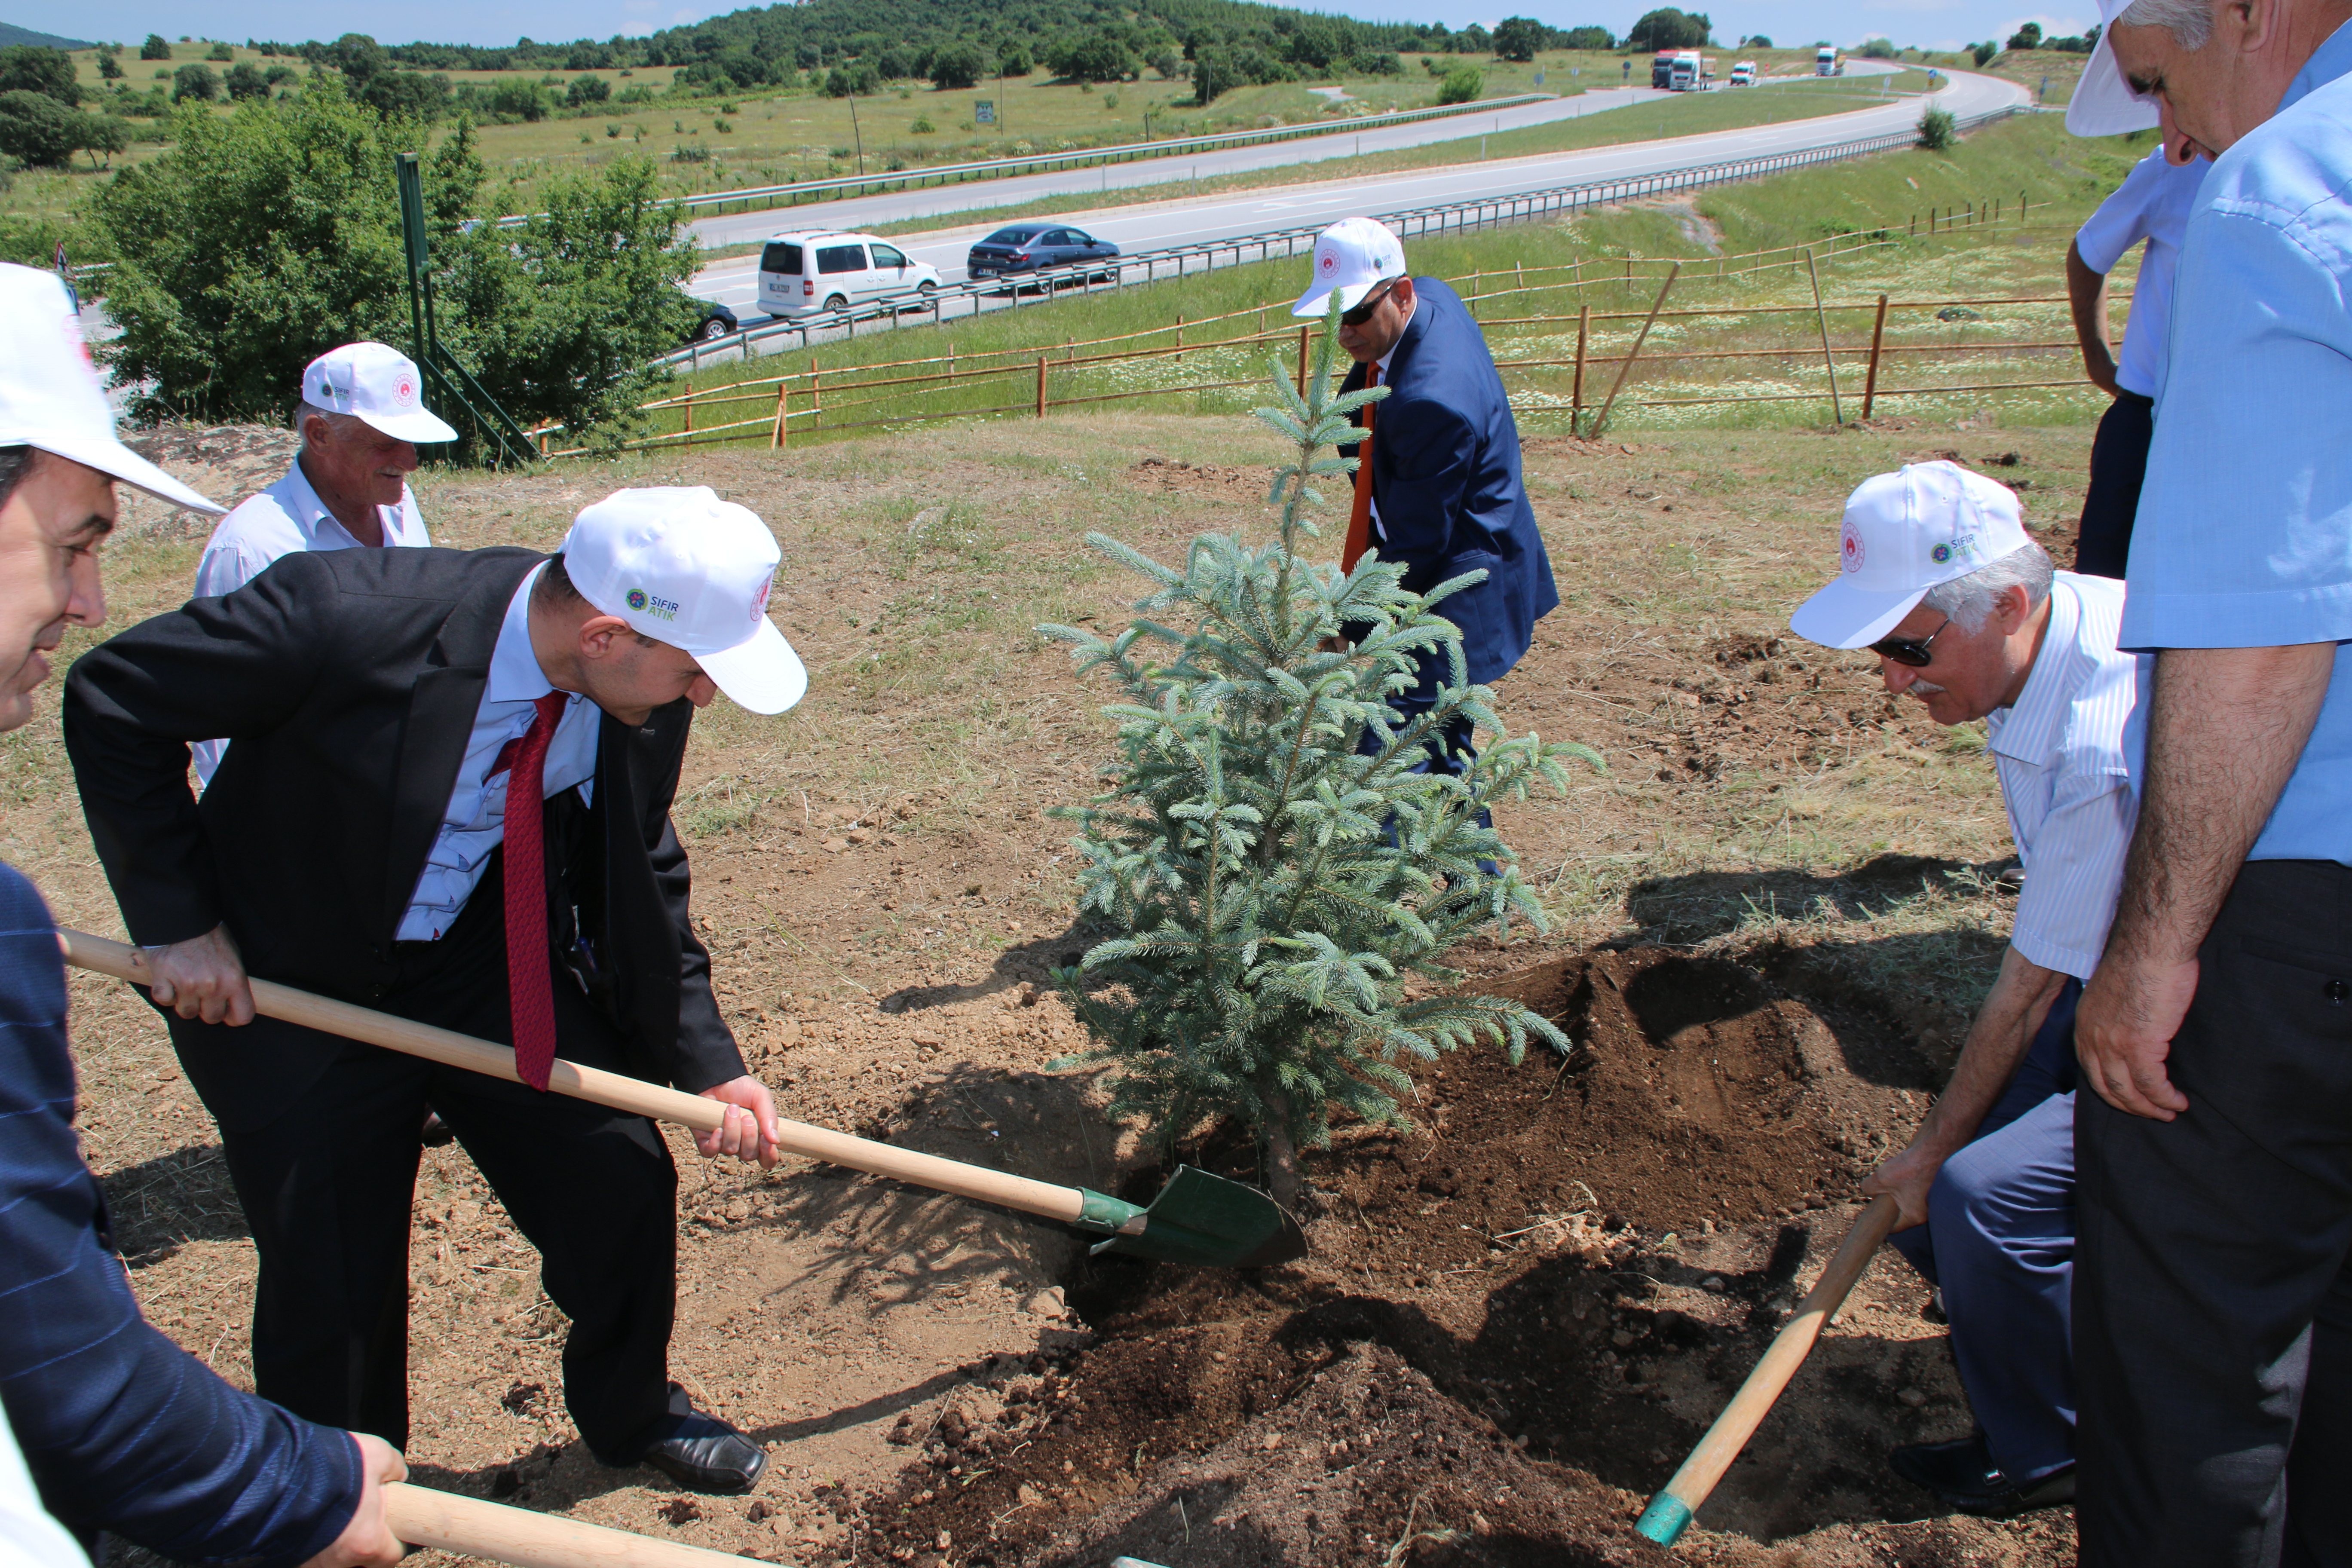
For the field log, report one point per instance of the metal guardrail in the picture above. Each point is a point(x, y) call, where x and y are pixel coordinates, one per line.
point(716, 201)
point(1127, 271)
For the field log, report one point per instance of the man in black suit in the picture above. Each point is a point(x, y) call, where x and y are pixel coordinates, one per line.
point(355, 842)
point(1439, 492)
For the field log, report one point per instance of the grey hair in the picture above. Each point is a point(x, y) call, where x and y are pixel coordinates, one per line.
point(2190, 22)
point(1969, 600)
point(335, 422)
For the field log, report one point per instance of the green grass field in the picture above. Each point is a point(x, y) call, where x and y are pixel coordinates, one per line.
point(2030, 158)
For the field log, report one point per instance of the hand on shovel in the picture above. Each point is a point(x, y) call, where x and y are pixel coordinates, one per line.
point(367, 1542)
point(749, 1131)
point(202, 977)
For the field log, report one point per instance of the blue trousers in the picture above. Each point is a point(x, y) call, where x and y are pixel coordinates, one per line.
point(1999, 1242)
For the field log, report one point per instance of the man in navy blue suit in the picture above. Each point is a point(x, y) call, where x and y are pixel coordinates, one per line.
point(1438, 492)
point(121, 1430)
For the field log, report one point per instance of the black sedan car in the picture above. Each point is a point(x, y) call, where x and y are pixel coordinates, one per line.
point(1031, 247)
point(717, 322)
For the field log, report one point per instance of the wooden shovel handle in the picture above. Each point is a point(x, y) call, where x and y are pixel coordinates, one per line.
point(618, 1091)
point(423, 1517)
point(1673, 1508)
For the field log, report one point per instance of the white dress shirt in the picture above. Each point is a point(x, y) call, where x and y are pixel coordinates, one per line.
point(286, 518)
point(30, 1536)
point(2152, 203)
point(2065, 777)
point(476, 821)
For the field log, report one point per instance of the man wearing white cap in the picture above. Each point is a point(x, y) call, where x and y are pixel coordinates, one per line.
point(383, 707)
point(361, 418)
point(120, 1430)
point(1438, 490)
point(2214, 1292)
point(1939, 578)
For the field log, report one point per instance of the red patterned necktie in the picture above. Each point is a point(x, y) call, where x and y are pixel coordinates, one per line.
point(1359, 516)
point(530, 999)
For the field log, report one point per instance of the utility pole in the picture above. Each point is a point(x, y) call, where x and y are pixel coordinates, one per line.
point(858, 133)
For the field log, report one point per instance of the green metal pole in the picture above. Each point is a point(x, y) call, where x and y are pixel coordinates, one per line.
point(412, 234)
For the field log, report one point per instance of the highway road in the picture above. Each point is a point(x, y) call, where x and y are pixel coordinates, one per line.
point(1150, 226)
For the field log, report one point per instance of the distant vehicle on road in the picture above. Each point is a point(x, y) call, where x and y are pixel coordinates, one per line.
point(1743, 74)
point(1662, 69)
point(1691, 72)
point(717, 322)
point(1827, 61)
point(1028, 247)
point(820, 270)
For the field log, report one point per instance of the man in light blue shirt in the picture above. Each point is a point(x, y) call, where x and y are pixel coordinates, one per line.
point(2212, 1306)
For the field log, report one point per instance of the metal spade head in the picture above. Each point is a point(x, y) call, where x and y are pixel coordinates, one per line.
point(1208, 1221)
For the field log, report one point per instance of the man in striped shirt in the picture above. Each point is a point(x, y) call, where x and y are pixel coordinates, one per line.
point(1967, 617)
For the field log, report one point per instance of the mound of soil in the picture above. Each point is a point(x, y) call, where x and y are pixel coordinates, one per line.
point(1477, 1362)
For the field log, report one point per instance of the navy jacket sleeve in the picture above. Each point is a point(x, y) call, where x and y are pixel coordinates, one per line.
point(122, 1430)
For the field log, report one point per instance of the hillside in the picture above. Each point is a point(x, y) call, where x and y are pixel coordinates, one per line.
point(11, 35)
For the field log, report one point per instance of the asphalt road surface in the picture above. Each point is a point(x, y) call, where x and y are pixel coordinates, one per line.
point(1150, 225)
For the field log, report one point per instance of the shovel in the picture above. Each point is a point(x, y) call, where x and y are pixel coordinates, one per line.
point(421, 1516)
point(1197, 1218)
point(1670, 1511)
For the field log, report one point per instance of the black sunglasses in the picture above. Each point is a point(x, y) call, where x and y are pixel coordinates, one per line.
point(1363, 311)
point(1913, 651)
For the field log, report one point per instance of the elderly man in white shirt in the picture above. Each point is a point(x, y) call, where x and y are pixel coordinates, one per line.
point(361, 418)
point(1967, 617)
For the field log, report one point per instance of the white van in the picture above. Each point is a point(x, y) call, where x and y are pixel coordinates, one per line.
point(1827, 61)
point(820, 270)
point(1744, 74)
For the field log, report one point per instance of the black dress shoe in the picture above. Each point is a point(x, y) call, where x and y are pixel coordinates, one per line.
point(1962, 1473)
point(703, 1454)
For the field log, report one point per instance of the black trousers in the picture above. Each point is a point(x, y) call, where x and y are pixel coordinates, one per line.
point(2212, 1300)
point(2119, 465)
point(328, 1187)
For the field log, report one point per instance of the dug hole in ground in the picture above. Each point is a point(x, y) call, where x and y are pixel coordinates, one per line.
point(1771, 917)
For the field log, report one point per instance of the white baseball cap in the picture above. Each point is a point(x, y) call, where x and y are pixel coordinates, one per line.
point(377, 385)
point(49, 391)
point(1351, 256)
point(1906, 532)
point(685, 568)
point(2103, 103)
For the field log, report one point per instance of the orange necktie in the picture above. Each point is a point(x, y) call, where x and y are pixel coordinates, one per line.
point(1360, 517)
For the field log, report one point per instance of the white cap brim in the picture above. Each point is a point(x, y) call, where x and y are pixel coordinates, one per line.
point(113, 458)
point(760, 674)
point(421, 428)
point(2103, 103)
point(1311, 303)
point(1843, 615)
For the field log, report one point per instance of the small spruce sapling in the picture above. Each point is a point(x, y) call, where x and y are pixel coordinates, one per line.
point(1273, 884)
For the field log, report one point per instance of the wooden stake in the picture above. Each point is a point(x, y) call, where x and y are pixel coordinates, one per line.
point(1303, 344)
point(689, 414)
point(1877, 336)
point(816, 395)
point(1837, 409)
point(1041, 386)
point(1601, 421)
point(1576, 396)
point(1180, 337)
point(776, 442)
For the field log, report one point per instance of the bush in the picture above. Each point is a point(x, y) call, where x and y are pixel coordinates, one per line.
point(1669, 29)
point(1462, 85)
point(1167, 62)
point(958, 66)
point(30, 68)
point(1377, 62)
point(689, 152)
point(156, 49)
point(517, 101)
point(1938, 130)
point(196, 81)
point(2028, 36)
point(1093, 57)
point(1014, 59)
point(245, 81)
point(1517, 38)
point(587, 90)
point(856, 79)
point(109, 66)
point(923, 126)
point(221, 52)
point(1598, 38)
point(37, 129)
point(1879, 49)
point(1272, 888)
point(1983, 53)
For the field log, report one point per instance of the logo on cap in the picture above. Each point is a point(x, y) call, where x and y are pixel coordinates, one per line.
point(405, 390)
point(637, 598)
point(1849, 549)
point(1941, 553)
point(760, 603)
point(1329, 261)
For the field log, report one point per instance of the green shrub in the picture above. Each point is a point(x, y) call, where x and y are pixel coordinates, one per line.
point(923, 126)
point(689, 152)
point(1462, 85)
point(34, 69)
point(156, 49)
point(37, 129)
point(194, 80)
point(220, 52)
point(1938, 130)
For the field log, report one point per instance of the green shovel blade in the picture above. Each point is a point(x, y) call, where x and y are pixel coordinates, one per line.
point(1211, 1222)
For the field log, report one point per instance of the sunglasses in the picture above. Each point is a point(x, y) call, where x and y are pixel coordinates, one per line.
point(1912, 652)
point(1363, 311)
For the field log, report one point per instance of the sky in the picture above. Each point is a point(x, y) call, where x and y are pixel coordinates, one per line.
point(1929, 24)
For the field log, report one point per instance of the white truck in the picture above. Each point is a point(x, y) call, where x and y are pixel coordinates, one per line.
point(1691, 72)
point(1743, 74)
point(1827, 61)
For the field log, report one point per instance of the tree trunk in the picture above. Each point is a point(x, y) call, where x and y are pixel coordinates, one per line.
point(1281, 1153)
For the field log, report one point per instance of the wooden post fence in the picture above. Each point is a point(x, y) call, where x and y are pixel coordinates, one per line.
point(1303, 333)
point(777, 440)
point(1877, 337)
point(1180, 337)
point(1600, 422)
point(689, 413)
point(1041, 386)
point(816, 395)
point(1837, 409)
point(1576, 397)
